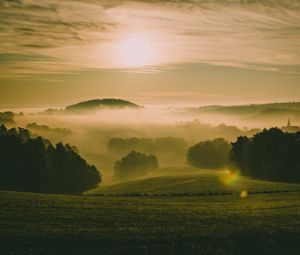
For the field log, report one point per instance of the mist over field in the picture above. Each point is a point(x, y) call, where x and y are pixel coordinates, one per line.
point(91, 131)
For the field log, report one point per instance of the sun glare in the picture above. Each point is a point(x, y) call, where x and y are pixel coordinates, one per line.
point(230, 178)
point(135, 51)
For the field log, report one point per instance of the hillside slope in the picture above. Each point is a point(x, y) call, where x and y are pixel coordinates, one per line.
point(253, 108)
point(194, 182)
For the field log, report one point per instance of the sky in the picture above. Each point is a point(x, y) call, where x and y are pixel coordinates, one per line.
point(189, 52)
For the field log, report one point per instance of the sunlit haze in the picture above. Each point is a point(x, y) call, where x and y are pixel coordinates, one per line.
point(135, 51)
point(153, 52)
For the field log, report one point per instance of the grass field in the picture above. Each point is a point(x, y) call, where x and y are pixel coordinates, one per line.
point(192, 181)
point(221, 224)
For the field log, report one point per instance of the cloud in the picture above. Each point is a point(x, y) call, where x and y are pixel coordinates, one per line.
point(14, 57)
point(85, 34)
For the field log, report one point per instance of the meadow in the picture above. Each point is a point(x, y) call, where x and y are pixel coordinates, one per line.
point(192, 181)
point(265, 222)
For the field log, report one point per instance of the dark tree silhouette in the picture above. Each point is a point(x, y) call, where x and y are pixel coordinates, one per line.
point(271, 154)
point(7, 118)
point(34, 164)
point(135, 164)
point(209, 154)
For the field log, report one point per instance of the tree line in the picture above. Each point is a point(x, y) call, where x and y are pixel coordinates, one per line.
point(36, 165)
point(271, 154)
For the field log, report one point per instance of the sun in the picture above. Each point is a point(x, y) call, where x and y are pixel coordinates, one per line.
point(135, 51)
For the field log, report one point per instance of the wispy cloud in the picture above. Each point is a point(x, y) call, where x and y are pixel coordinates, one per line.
point(60, 36)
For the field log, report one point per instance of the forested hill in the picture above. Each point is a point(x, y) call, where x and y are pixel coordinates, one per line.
point(101, 103)
point(253, 108)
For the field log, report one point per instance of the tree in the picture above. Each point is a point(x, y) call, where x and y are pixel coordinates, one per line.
point(209, 154)
point(135, 164)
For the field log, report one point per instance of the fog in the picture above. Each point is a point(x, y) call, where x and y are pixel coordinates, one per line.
point(92, 131)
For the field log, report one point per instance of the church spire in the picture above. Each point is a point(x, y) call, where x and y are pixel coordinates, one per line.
point(288, 123)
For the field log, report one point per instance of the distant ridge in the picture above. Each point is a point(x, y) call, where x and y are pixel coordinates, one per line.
point(253, 108)
point(101, 103)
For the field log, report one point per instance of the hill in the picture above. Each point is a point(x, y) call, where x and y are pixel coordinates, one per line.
point(271, 108)
point(101, 103)
point(191, 181)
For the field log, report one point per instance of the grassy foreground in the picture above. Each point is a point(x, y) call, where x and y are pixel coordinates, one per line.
point(222, 224)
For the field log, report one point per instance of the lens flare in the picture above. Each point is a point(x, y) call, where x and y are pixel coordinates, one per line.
point(230, 178)
point(244, 194)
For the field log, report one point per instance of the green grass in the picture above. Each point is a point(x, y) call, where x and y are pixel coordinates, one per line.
point(191, 181)
point(224, 224)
